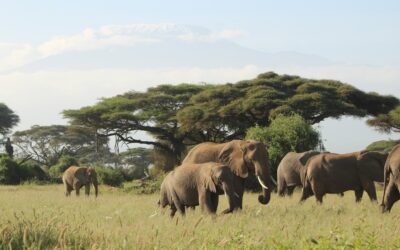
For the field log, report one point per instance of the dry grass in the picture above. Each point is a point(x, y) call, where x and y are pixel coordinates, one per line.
point(40, 217)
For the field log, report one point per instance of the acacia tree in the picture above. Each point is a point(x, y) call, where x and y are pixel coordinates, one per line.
point(46, 144)
point(177, 116)
point(8, 119)
point(225, 112)
point(153, 112)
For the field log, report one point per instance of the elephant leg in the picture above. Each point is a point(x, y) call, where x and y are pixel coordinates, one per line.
point(319, 198)
point(239, 190)
point(68, 189)
point(77, 187)
point(358, 193)
point(392, 195)
point(205, 202)
point(318, 190)
point(214, 202)
point(178, 204)
point(290, 190)
point(306, 192)
point(172, 210)
point(281, 187)
point(87, 189)
point(369, 187)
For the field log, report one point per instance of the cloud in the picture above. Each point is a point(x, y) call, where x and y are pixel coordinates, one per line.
point(13, 55)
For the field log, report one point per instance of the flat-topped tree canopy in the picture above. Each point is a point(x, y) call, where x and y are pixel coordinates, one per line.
point(186, 114)
point(233, 108)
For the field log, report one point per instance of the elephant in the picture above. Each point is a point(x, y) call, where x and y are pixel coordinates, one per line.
point(76, 177)
point(190, 185)
point(291, 170)
point(391, 190)
point(337, 173)
point(242, 157)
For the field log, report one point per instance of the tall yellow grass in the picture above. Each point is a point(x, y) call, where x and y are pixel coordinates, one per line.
point(40, 217)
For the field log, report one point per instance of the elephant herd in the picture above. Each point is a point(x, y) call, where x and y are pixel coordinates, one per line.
point(212, 169)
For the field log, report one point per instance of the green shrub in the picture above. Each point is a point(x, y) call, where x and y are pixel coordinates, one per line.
point(109, 176)
point(30, 171)
point(8, 171)
point(57, 170)
point(285, 134)
point(385, 146)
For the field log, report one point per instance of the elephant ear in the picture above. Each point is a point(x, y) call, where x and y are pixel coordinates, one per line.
point(209, 182)
point(233, 155)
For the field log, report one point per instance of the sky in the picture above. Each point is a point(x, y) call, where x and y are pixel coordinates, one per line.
point(57, 55)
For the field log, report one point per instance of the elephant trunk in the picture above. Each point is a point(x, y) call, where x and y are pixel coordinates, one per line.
point(263, 176)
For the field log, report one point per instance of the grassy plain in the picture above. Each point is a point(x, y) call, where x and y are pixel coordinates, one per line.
point(40, 217)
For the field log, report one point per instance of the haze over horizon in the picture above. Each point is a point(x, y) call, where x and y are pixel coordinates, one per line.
point(65, 56)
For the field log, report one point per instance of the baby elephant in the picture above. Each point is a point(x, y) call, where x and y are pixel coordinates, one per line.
point(76, 177)
point(191, 184)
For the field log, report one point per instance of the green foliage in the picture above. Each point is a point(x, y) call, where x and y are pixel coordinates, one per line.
point(8, 170)
point(383, 145)
point(56, 171)
point(109, 176)
point(285, 134)
point(31, 171)
point(8, 119)
point(227, 111)
point(387, 123)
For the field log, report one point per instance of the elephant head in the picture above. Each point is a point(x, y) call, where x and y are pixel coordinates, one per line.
point(92, 178)
point(249, 156)
point(220, 178)
point(372, 163)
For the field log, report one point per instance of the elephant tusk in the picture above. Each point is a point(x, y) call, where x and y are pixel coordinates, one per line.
point(261, 182)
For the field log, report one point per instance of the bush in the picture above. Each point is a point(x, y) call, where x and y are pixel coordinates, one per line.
point(385, 146)
point(8, 171)
point(109, 176)
point(57, 170)
point(285, 134)
point(30, 171)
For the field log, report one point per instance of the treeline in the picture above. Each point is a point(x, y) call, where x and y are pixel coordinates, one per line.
point(276, 109)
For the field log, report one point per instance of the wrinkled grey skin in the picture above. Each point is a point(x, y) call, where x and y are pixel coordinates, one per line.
point(190, 185)
point(291, 171)
point(337, 173)
point(76, 177)
point(242, 157)
point(391, 192)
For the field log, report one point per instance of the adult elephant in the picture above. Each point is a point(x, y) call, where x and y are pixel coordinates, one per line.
point(337, 173)
point(291, 171)
point(242, 157)
point(192, 184)
point(391, 191)
point(76, 177)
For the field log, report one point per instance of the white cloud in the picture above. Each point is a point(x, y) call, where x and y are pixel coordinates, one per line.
point(13, 55)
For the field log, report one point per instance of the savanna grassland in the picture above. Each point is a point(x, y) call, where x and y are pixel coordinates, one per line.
point(40, 217)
